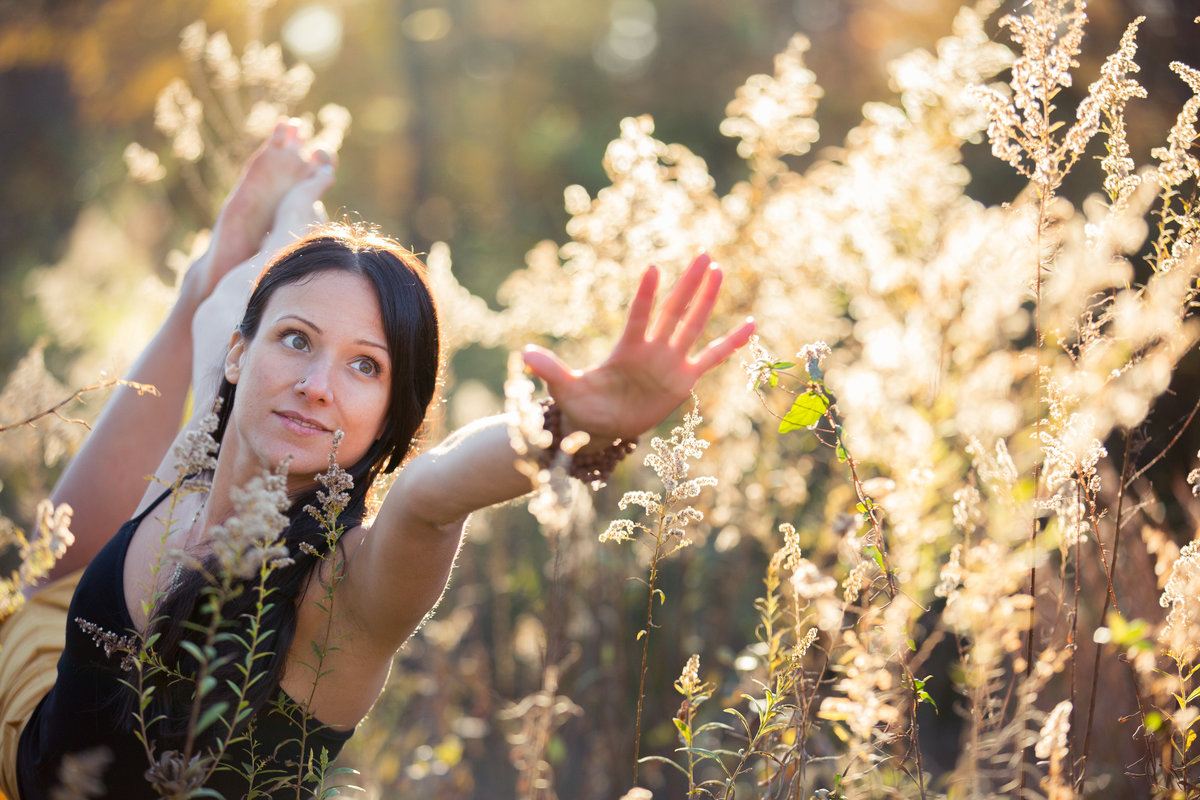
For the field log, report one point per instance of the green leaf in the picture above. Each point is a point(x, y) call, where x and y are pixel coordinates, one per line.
point(741, 718)
point(711, 754)
point(662, 760)
point(806, 410)
point(194, 651)
point(873, 551)
point(211, 715)
point(684, 730)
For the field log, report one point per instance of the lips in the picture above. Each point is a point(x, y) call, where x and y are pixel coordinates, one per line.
point(301, 424)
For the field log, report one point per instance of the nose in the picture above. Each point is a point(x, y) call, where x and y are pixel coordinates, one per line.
point(314, 385)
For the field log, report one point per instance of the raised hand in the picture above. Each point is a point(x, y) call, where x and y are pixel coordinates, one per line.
point(652, 368)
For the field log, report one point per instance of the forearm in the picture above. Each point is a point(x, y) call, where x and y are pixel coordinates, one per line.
point(473, 468)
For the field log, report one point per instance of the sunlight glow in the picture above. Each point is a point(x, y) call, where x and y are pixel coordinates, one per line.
point(427, 25)
point(314, 34)
point(631, 39)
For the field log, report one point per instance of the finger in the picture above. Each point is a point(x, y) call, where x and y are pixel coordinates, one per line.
point(639, 310)
point(293, 130)
point(699, 311)
point(287, 131)
point(547, 366)
point(721, 349)
point(680, 296)
point(279, 135)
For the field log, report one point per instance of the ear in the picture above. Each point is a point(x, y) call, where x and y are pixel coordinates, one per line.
point(235, 356)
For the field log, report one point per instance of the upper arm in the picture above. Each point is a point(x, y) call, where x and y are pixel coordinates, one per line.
point(401, 569)
point(398, 572)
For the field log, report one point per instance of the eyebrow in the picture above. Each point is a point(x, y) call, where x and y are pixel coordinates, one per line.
point(317, 328)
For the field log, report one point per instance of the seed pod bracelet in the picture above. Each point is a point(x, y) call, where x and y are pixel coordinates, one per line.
point(591, 468)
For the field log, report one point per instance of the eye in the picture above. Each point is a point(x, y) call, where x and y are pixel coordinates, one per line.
point(367, 366)
point(294, 340)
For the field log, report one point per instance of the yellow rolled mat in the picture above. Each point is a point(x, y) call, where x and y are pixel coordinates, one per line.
point(31, 641)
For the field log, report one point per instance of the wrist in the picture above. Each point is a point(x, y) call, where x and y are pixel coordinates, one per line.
point(591, 460)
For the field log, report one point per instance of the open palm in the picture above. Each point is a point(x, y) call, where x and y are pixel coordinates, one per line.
point(652, 369)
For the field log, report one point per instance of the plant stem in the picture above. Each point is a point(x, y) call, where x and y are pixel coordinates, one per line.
point(1109, 597)
point(637, 735)
point(1037, 464)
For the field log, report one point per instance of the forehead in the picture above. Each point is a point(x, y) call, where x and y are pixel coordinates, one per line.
point(337, 302)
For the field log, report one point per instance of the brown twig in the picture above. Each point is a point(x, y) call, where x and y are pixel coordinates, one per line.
point(141, 388)
point(1170, 444)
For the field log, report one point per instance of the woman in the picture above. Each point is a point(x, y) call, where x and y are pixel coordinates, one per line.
point(337, 349)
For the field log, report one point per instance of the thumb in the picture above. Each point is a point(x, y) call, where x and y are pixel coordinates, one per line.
point(547, 366)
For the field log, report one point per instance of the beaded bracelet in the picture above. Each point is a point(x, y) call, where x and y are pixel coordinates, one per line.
point(592, 468)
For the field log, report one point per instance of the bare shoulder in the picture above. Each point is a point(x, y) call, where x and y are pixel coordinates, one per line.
point(192, 451)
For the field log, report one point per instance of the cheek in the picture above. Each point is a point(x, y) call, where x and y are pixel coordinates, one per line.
point(381, 413)
point(367, 413)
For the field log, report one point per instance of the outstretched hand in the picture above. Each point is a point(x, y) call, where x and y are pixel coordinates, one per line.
point(652, 369)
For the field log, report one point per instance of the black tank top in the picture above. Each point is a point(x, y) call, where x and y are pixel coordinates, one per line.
point(81, 711)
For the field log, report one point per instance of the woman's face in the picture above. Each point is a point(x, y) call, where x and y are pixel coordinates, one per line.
point(317, 364)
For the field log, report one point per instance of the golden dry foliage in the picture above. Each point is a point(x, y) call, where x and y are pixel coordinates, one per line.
point(981, 359)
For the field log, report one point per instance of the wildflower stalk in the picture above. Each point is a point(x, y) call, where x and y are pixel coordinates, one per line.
point(333, 498)
point(694, 694)
point(769, 709)
point(321, 649)
point(1111, 598)
point(204, 684)
point(815, 405)
point(246, 551)
point(644, 635)
point(252, 640)
point(671, 514)
point(1038, 426)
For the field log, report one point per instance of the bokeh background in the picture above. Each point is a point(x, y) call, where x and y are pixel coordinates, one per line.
point(470, 117)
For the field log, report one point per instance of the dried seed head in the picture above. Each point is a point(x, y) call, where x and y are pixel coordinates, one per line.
point(250, 538)
point(1053, 737)
point(689, 679)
